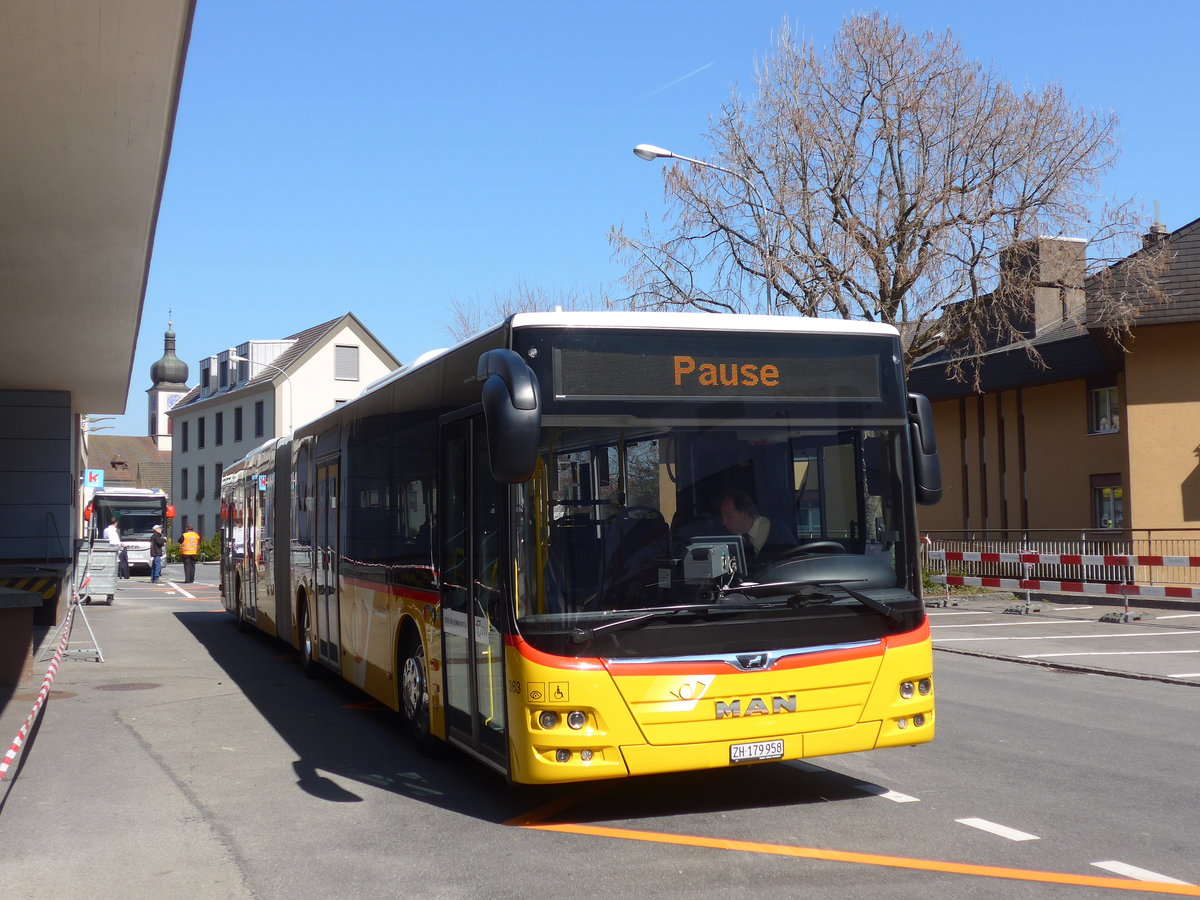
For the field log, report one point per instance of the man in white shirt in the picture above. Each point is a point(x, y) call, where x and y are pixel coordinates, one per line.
point(112, 534)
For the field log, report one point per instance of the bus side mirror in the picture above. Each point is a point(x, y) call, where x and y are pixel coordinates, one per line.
point(170, 512)
point(927, 466)
point(87, 513)
point(513, 413)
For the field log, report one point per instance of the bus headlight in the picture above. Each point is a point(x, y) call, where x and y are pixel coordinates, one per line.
point(924, 686)
point(907, 689)
point(576, 719)
point(548, 719)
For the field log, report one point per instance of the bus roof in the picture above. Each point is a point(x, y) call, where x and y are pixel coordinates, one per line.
point(700, 321)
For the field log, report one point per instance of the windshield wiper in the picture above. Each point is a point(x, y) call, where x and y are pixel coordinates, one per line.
point(801, 599)
point(580, 635)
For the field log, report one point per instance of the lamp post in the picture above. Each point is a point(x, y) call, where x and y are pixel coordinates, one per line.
point(649, 153)
point(291, 388)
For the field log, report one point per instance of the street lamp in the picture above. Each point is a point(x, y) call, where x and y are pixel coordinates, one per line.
point(650, 153)
point(291, 388)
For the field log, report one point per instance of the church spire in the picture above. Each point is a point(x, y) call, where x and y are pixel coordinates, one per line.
point(170, 372)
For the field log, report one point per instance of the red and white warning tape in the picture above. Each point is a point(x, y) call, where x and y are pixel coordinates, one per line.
point(1072, 587)
point(41, 697)
point(1066, 559)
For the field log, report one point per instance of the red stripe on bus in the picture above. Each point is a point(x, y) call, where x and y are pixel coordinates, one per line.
point(394, 590)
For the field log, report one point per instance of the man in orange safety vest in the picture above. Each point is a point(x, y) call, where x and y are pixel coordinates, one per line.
point(189, 547)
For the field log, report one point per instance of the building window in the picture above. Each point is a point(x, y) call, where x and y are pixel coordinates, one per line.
point(206, 378)
point(224, 375)
point(237, 424)
point(219, 428)
point(200, 433)
point(183, 483)
point(218, 469)
point(183, 438)
point(200, 525)
point(258, 418)
point(345, 363)
point(1104, 416)
point(199, 482)
point(1108, 501)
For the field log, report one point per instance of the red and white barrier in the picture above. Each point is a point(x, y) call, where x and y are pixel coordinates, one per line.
point(1030, 558)
point(41, 697)
point(1066, 559)
point(1071, 587)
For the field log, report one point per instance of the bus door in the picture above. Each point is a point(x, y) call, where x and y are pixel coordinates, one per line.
point(326, 616)
point(472, 597)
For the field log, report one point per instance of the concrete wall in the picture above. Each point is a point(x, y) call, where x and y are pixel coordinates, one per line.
point(38, 478)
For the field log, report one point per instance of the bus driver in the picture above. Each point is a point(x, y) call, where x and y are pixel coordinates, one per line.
point(764, 536)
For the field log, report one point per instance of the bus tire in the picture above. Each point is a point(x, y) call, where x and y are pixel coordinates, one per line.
point(414, 695)
point(308, 660)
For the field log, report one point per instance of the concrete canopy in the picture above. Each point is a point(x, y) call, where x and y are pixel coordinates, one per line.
point(88, 93)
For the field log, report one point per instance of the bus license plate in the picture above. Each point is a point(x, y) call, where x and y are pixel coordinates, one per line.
point(755, 751)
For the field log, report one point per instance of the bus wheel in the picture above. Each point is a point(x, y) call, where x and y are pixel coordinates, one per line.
point(308, 661)
point(414, 696)
point(237, 609)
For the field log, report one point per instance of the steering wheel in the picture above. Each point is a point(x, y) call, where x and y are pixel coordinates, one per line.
point(811, 547)
point(640, 512)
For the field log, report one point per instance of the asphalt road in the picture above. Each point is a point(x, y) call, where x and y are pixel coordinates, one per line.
point(198, 761)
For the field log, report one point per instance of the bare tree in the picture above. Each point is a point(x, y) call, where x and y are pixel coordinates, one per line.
point(885, 179)
point(471, 316)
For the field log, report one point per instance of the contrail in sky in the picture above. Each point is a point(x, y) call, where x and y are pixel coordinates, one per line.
point(672, 84)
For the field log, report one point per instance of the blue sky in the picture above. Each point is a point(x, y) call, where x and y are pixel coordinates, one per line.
point(387, 157)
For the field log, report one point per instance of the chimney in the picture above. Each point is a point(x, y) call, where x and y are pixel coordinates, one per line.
point(1051, 271)
point(1155, 237)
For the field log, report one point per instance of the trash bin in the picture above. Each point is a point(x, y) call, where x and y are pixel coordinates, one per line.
point(100, 563)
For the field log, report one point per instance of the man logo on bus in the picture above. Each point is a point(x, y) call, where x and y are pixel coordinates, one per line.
point(756, 706)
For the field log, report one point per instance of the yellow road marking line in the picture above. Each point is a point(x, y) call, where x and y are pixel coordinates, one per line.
point(869, 859)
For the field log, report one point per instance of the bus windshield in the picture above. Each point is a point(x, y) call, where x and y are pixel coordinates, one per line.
point(797, 532)
point(136, 517)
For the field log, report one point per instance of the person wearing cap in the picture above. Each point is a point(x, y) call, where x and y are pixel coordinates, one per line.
point(158, 546)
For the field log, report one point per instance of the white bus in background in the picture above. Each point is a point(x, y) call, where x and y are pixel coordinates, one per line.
point(137, 511)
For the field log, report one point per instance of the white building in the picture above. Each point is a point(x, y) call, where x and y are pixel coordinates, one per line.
point(258, 390)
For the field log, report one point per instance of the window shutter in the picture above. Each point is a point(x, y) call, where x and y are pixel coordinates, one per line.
point(345, 363)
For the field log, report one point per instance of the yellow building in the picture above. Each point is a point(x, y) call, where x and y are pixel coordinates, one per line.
point(1100, 443)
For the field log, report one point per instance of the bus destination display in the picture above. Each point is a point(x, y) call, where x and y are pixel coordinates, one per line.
point(583, 373)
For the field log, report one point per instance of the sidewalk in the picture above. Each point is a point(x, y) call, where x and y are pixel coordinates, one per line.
point(93, 804)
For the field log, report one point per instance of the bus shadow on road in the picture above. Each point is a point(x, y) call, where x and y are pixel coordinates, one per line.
point(335, 728)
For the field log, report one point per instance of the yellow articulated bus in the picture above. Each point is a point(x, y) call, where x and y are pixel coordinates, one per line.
point(593, 545)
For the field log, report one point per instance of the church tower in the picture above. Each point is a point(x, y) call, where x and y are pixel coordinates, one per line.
point(168, 378)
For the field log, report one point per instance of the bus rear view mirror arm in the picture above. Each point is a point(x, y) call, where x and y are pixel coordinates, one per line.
point(513, 413)
point(927, 466)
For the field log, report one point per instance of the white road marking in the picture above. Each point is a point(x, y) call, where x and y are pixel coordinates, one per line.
point(1180, 616)
point(958, 612)
point(1186, 675)
point(181, 590)
point(1107, 653)
point(1066, 637)
point(1000, 830)
point(886, 794)
point(1066, 608)
point(1120, 868)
